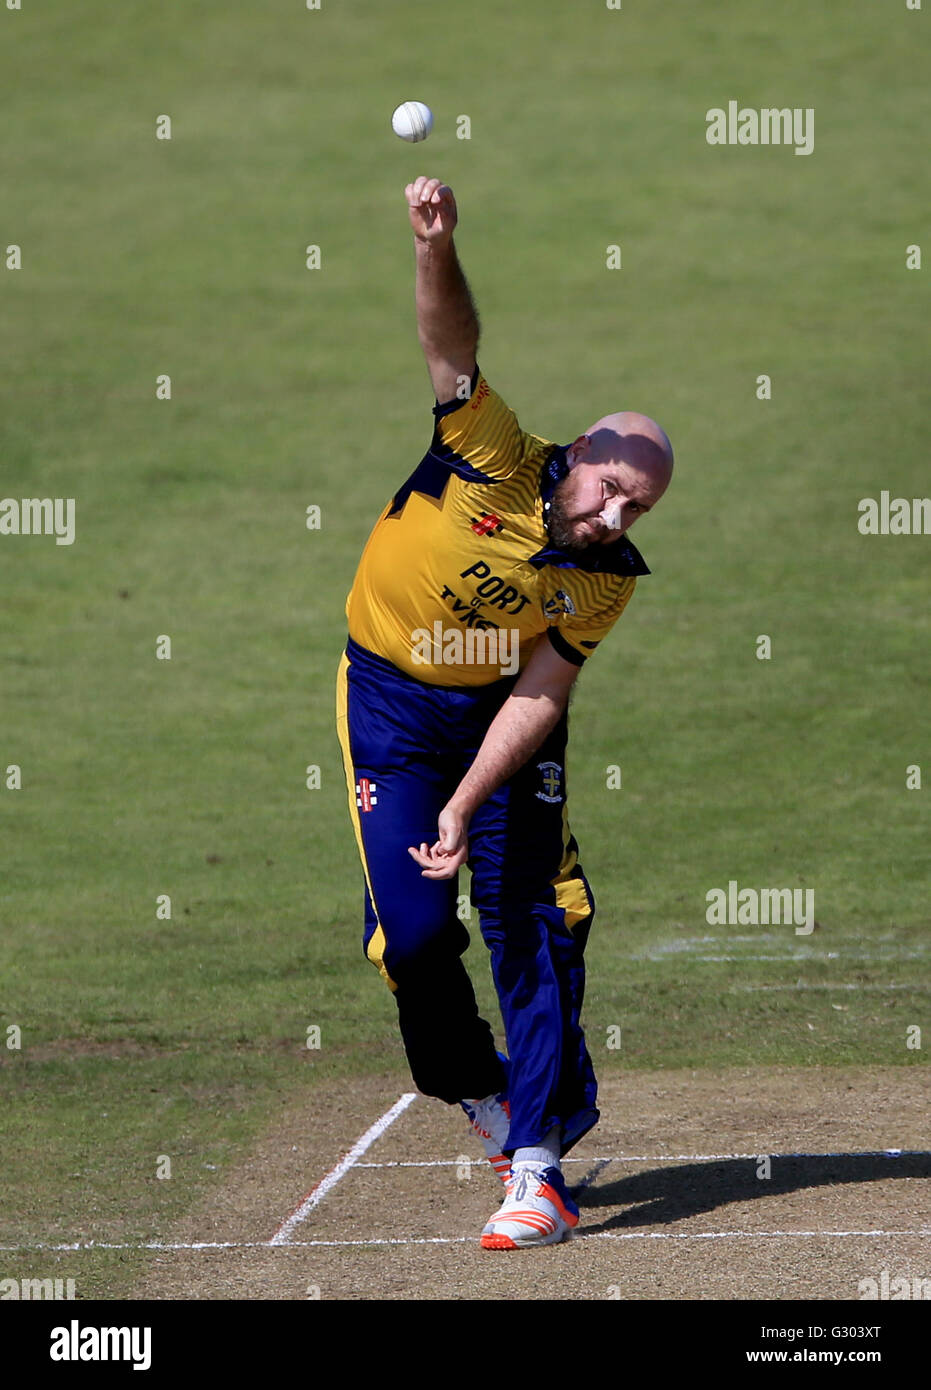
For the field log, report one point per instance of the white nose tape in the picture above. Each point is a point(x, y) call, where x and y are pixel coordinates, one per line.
point(611, 516)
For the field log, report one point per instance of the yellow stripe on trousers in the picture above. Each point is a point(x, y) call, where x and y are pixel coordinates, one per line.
point(376, 947)
point(570, 892)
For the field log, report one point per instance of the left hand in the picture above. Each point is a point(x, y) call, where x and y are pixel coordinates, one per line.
point(445, 858)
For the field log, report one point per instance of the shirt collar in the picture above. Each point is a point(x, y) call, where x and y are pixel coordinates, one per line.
point(621, 557)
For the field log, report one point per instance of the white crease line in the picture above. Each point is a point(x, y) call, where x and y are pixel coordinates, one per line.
point(81, 1246)
point(374, 1131)
point(918, 988)
point(739, 1235)
point(789, 958)
point(662, 1158)
point(786, 960)
point(328, 1182)
point(688, 946)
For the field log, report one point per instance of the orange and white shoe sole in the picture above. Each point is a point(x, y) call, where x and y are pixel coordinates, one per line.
point(531, 1227)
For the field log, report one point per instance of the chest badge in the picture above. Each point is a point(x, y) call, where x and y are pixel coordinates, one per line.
point(558, 605)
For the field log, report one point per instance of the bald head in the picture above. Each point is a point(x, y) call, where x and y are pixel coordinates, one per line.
point(618, 470)
point(630, 438)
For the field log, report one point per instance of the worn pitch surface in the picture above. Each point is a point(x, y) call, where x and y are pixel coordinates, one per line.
point(672, 1207)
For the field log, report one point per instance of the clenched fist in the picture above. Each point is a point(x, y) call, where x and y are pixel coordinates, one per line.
point(432, 210)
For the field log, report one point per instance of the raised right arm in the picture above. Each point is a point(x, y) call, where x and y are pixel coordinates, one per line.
point(447, 322)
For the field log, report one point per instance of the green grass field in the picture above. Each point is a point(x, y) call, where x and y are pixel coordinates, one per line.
point(293, 387)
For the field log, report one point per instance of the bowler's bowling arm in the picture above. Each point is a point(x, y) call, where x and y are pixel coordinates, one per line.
point(447, 321)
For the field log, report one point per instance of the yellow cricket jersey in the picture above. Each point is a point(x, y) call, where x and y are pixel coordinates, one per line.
point(458, 580)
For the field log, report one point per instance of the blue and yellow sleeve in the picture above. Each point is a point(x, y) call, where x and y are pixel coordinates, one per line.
point(576, 637)
point(480, 430)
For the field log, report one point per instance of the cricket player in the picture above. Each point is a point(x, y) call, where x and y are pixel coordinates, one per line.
point(488, 581)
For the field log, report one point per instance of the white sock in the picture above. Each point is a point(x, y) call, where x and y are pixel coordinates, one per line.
point(546, 1153)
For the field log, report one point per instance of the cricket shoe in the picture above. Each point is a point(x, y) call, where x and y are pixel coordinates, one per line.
point(491, 1120)
point(536, 1211)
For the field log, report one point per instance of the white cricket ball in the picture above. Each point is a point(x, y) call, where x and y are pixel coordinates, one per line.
point(412, 121)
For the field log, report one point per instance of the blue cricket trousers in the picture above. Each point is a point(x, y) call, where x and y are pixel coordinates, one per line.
point(406, 745)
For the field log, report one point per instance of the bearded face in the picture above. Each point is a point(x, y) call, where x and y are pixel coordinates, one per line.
point(566, 528)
